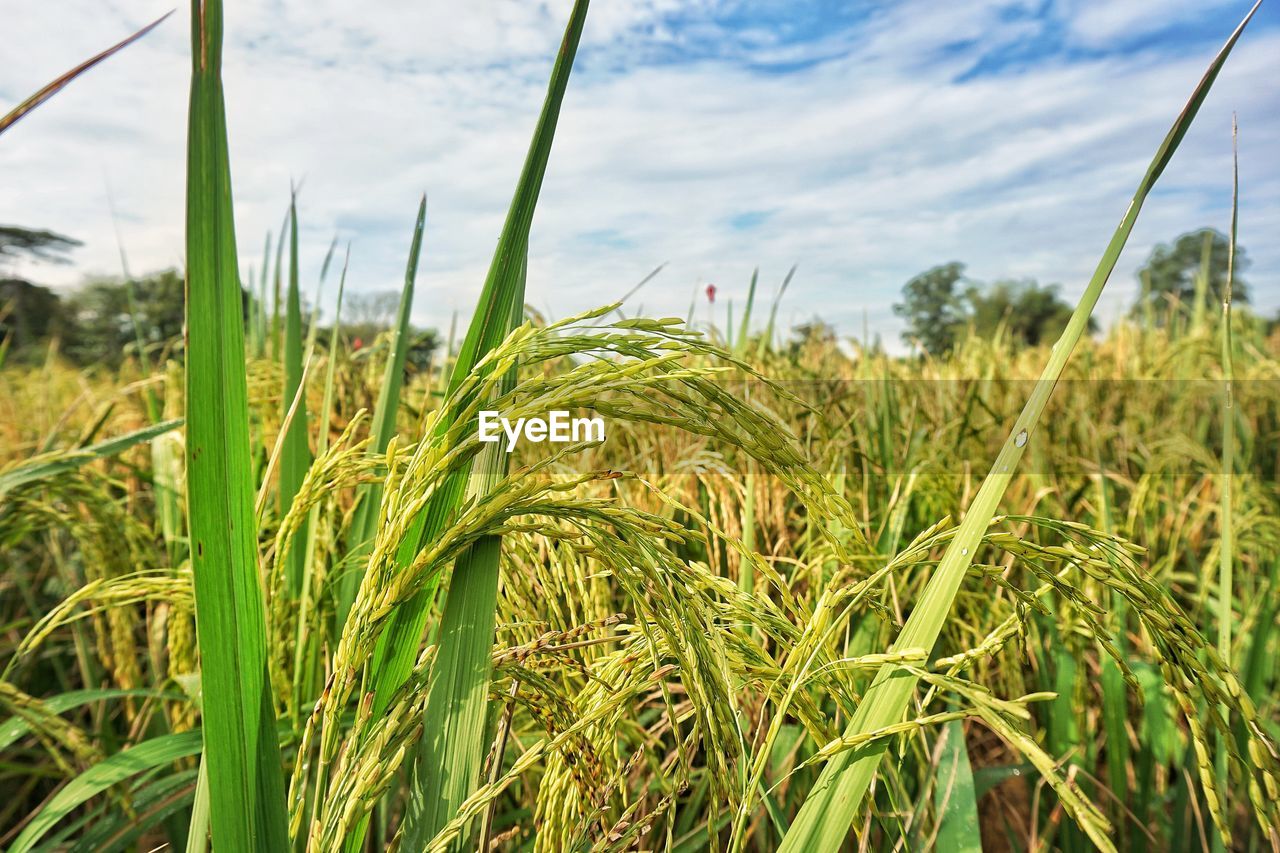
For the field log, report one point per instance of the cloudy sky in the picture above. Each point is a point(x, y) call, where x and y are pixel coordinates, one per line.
point(863, 141)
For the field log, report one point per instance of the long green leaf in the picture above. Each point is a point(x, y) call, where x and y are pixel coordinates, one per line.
point(260, 304)
point(741, 348)
point(833, 803)
point(1226, 533)
point(766, 341)
point(296, 453)
point(304, 666)
point(198, 830)
point(111, 770)
point(15, 727)
point(954, 795)
point(503, 294)
point(157, 797)
point(501, 304)
point(277, 279)
point(53, 87)
point(246, 785)
point(452, 748)
point(364, 523)
point(59, 462)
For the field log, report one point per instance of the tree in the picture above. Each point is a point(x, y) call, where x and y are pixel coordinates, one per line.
point(941, 302)
point(934, 307)
point(29, 313)
point(47, 246)
point(1032, 313)
point(377, 308)
point(420, 352)
point(814, 334)
point(1172, 270)
point(103, 318)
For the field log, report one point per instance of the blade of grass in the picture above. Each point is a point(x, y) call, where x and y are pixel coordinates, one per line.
point(501, 304)
point(452, 748)
point(276, 452)
point(766, 341)
point(277, 287)
point(741, 349)
point(1115, 704)
point(58, 462)
point(296, 457)
point(365, 521)
point(954, 795)
point(303, 673)
point(446, 362)
point(313, 322)
point(246, 785)
point(53, 87)
point(260, 324)
point(636, 289)
point(17, 726)
point(116, 768)
point(833, 803)
point(198, 829)
point(502, 296)
point(1226, 546)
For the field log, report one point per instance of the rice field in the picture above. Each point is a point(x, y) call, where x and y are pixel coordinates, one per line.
point(266, 590)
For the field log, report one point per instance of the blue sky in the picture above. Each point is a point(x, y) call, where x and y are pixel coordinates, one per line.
point(863, 141)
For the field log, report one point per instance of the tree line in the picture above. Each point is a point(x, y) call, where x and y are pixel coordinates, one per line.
point(942, 305)
point(105, 319)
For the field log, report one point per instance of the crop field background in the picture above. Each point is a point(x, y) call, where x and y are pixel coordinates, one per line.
point(264, 588)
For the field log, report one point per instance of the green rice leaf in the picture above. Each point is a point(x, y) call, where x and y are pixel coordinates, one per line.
point(15, 727)
point(766, 340)
point(741, 348)
point(452, 748)
point(833, 803)
point(365, 521)
point(296, 453)
point(501, 298)
point(57, 84)
point(954, 795)
point(500, 308)
point(246, 786)
point(111, 770)
point(57, 462)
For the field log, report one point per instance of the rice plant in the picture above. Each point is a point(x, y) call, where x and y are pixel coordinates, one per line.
point(771, 610)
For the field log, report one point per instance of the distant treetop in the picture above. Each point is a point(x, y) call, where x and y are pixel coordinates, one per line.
point(37, 245)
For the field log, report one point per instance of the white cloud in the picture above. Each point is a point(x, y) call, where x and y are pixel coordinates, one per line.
point(865, 168)
point(1100, 22)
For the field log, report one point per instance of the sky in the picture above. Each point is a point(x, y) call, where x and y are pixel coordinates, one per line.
point(865, 142)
